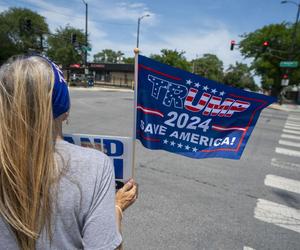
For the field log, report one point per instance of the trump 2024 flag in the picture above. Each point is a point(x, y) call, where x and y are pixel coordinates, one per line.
point(193, 116)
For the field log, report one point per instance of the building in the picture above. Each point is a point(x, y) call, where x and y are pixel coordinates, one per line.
point(116, 74)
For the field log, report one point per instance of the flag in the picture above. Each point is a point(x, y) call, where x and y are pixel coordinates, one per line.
point(187, 114)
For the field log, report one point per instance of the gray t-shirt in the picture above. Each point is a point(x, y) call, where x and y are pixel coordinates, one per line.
point(84, 214)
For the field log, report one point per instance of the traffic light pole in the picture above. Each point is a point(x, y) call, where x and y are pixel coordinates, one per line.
point(86, 32)
point(294, 36)
point(295, 32)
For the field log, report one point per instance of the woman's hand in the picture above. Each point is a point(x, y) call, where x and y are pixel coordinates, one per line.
point(127, 195)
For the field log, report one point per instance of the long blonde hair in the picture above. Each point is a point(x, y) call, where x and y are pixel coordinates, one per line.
point(27, 163)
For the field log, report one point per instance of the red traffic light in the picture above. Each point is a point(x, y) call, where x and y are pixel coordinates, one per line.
point(232, 43)
point(285, 76)
point(266, 43)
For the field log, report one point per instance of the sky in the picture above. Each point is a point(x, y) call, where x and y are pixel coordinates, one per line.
point(194, 26)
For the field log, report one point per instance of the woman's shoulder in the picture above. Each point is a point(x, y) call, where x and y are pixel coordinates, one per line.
point(82, 159)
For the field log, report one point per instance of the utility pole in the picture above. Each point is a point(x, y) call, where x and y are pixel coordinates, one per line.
point(294, 34)
point(86, 32)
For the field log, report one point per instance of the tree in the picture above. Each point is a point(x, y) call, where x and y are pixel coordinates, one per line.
point(21, 30)
point(108, 56)
point(209, 66)
point(61, 49)
point(129, 60)
point(173, 58)
point(266, 62)
point(239, 75)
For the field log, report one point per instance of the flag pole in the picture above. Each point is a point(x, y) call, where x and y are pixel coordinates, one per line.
point(136, 68)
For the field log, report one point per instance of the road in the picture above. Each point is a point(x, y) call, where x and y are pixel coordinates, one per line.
point(252, 203)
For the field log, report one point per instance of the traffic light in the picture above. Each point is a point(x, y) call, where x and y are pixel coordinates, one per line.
point(28, 25)
point(73, 38)
point(285, 76)
point(232, 44)
point(265, 46)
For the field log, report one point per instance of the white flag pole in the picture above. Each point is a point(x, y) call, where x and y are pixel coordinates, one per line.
point(136, 68)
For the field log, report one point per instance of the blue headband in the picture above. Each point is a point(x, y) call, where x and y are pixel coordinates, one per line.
point(60, 95)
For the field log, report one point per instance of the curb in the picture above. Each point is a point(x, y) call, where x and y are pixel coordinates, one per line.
point(284, 107)
point(100, 89)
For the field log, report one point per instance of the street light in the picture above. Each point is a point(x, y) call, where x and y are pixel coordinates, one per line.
point(296, 23)
point(138, 29)
point(86, 31)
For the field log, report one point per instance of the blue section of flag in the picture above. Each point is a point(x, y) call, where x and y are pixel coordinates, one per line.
point(193, 116)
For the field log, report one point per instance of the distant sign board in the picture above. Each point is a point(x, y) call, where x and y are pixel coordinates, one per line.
point(285, 82)
point(288, 64)
point(119, 149)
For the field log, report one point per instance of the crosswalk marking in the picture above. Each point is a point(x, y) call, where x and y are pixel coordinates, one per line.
point(292, 127)
point(288, 152)
point(289, 143)
point(292, 124)
point(285, 164)
point(291, 131)
point(283, 183)
point(293, 118)
point(278, 214)
point(290, 136)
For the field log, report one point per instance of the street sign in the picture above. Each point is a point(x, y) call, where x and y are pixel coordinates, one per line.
point(285, 82)
point(86, 48)
point(288, 64)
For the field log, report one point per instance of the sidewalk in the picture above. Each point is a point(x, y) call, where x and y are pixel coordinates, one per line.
point(285, 107)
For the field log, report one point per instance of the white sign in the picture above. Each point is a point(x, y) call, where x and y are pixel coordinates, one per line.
point(118, 148)
point(285, 82)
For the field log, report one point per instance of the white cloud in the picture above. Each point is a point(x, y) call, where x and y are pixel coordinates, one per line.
point(210, 37)
point(196, 43)
point(128, 12)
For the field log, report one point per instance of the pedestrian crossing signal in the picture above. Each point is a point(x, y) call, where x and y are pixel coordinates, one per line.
point(73, 38)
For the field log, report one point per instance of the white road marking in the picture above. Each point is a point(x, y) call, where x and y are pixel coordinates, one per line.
point(292, 127)
point(290, 136)
point(291, 131)
point(288, 152)
point(283, 183)
point(292, 124)
point(285, 164)
point(278, 214)
point(289, 143)
point(248, 248)
point(293, 118)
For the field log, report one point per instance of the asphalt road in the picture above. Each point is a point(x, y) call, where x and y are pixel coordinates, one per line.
point(205, 204)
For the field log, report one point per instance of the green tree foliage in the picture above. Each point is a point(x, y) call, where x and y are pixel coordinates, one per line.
point(108, 56)
point(18, 38)
point(266, 63)
point(239, 75)
point(173, 58)
point(209, 66)
point(129, 60)
point(61, 49)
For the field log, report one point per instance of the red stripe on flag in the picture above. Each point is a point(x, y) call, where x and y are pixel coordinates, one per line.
point(202, 103)
point(189, 99)
point(148, 138)
point(159, 73)
point(190, 108)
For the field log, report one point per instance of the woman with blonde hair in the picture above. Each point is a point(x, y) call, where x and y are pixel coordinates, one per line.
point(53, 195)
